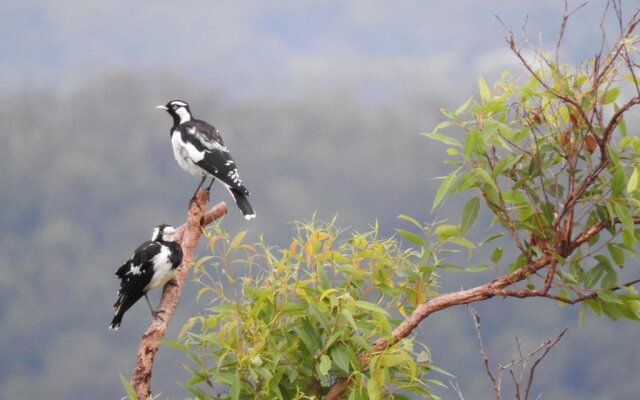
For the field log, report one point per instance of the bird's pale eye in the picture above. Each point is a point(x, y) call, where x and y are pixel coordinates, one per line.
point(175, 106)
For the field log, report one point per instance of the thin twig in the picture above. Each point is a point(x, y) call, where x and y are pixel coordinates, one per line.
point(547, 345)
point(483, 353)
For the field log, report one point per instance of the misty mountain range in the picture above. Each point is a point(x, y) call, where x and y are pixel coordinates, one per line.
point(322, 105)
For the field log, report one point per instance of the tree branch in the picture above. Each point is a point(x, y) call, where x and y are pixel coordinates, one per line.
point(479, 293)
point(188, 235)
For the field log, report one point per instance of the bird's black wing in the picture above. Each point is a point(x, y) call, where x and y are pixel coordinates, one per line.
point(136, 273)
point(216, 158)
point(146, 251)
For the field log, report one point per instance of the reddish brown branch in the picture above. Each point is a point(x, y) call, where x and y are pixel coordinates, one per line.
point(497, 287)
point(188, 235)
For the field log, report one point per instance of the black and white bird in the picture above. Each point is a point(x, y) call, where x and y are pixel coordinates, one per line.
point(199, 150)
point(153, 264)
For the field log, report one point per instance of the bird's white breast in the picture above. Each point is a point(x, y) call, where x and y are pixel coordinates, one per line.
point(162, 271)
point(186, 154)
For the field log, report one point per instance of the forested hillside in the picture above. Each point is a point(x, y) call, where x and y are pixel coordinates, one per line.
point(323, 116)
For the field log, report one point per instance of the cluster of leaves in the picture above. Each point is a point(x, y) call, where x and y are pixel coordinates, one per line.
point(555, 165)
point(299, 318)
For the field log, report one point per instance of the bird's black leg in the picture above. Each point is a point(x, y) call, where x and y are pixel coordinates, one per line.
point(199, 186)
point(212, 180)
point(156, 314)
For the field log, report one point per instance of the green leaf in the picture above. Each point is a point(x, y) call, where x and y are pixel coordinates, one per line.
point(490, 238)
point(617, 181)
point(235, 388)
point(626, 141)
point(444, 188)
point(443, 138)
point(347, 315)
point(617, 254)
point(622, 124)
point(623, 212)
point(460, 241)
point(175, 345)
point(496, 255)
point(477, 268)
point(325, 364)
point(365, 305)
point(485, 94)
point(609, 297)
point(340, 357)
point(610, 96)
point(463, 107)
point(593, 276)
point(609, 280)
point(446, 231)
point(309, 335)
point(410, 236)
point(469, 214)
point(237, 239)
point(467, 180)
point(195, 379)
point(129, 388)
point(315, 312)
point(442, 125)
point(633, 181)
point(410, 219)
point(473, 144)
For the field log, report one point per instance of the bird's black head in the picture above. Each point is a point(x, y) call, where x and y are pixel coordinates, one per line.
point(163, 233)
point(179, 111)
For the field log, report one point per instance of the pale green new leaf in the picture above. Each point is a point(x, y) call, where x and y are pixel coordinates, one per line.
point(443, 138)
point(611, 95)
point(485, 94)
point(410, 236)
point(633, 181)
point(446, 231)
point(127, 386)
point(365, 305)
point(609, 297)
point(325, 364)
point(463, 107)
point(444, 188)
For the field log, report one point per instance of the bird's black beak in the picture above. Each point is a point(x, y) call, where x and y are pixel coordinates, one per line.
point(161, 108)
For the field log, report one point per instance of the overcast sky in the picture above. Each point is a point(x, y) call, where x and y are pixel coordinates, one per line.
point(377, 49)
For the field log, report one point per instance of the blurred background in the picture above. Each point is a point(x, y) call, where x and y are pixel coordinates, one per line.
point(322, 104)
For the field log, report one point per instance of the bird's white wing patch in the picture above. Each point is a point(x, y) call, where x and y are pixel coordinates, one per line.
point(134, 270)
point(193, 153)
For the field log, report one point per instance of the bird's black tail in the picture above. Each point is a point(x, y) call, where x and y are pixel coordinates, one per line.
point(243, 204)
point(123, 304)
point(115, 323)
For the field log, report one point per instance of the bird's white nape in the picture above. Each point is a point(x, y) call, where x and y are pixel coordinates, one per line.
point(156, 233)
point(168, 234)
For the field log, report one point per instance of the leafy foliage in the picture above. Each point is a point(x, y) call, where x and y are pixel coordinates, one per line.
point(550, 157)
point(301, 317)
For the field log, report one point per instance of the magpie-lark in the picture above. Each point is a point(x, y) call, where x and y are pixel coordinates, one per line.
point(199, 150)
point(152, 266)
